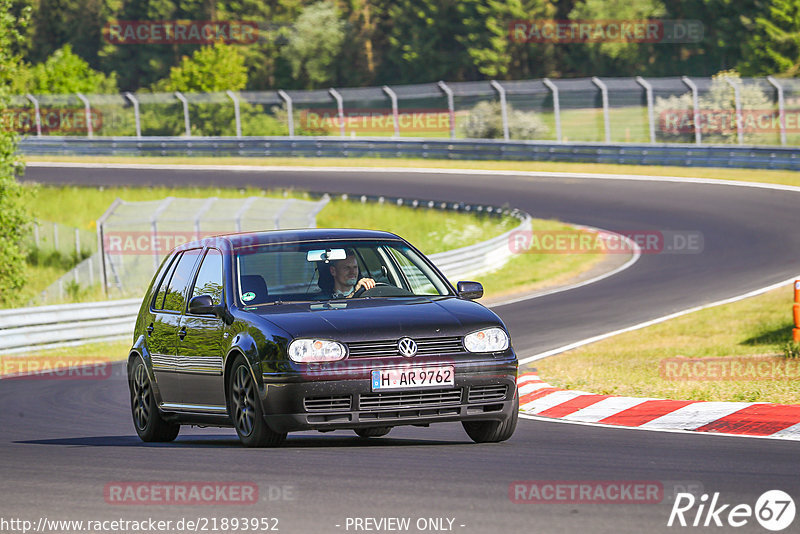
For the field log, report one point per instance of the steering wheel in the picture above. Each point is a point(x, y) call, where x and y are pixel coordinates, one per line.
point(364, 289)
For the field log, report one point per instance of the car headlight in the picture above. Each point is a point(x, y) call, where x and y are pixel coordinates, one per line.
point(316, 350)
point(486, 340)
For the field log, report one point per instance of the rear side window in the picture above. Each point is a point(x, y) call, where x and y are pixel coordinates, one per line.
point(209, 277)
point(158, 301)
point(175, 296)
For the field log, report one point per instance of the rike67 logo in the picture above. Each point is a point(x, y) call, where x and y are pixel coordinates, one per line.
point(774, 510)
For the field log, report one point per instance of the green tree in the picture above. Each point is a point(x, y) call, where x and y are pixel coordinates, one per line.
point(314, 43)
point(65, 72)
point(773, 46)
point(211, 68)
point(14, 216)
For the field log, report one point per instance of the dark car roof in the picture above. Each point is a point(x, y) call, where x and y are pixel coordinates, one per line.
point(245, 239)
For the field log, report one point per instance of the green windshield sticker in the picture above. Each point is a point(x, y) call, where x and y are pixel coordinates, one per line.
point(248, 296)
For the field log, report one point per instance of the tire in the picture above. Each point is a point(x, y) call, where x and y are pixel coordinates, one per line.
point(493, 431)
point(372, 431)
point(245, 409)
point(147, 420)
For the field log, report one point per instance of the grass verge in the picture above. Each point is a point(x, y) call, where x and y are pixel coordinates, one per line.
point(746, 175)
point(640, 363)
point(432, 231)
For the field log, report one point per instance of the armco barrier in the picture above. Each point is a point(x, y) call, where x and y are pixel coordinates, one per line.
point(686, 155)
point(74, 324)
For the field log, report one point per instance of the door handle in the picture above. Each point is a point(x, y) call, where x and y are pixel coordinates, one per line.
point(182, 333)
point(150, 330)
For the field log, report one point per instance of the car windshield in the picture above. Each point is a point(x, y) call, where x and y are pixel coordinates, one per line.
point(332, 270)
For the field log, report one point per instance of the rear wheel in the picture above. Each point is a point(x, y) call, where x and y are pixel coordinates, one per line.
point(146, 418)
point(245, 409)
point(493, 431)
point(373, 431)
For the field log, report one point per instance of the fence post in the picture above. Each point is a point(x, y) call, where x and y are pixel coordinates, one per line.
point(395, 113)
point(288, 100)
point(556, 106)
point(238, 117)
point(55, 236)
point(77, 245)
point(186, 123)
point(37, 112)
point(738, 104)
point(136, 117)
point(339, 108)
point(451, 108)
point(604, 95)
point(781, 110)
point(503, 110)
point(101, 246)
point(154, 228)
point(88, 113)
point(36, 233)
point(199, 214)
point(242, 210)
point(696, 105)
point(650, 111)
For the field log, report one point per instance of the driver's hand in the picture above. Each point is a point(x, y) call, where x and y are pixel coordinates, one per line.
point(365, 283)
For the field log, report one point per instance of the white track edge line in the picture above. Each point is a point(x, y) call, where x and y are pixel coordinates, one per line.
point(651, 322)
point(637, 253)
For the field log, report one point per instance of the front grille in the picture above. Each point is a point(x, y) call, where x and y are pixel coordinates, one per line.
point(324, 404)
point(410, 399)
point(491, 393)
point(388, 347)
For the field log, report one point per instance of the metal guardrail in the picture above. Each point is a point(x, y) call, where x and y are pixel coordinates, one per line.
point(687, 155)
point(66, 324)
point(44, 327)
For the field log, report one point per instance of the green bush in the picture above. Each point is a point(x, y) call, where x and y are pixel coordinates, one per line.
point(485, 121)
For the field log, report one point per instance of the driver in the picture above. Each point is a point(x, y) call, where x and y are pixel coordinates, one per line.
point(344, 273)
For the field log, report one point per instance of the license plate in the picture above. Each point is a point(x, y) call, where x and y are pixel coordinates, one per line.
point(413, 377)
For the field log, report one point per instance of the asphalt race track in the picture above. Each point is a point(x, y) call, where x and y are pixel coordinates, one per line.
point(63, 441)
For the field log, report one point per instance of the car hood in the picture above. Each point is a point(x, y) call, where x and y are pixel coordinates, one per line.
point(380, 318)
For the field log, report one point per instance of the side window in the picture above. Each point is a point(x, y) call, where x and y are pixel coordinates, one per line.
point(209, 277)
point(175, 297)
point(158, 302)
point(419, 282)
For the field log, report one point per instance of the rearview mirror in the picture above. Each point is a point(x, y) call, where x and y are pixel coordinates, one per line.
point(202, 305)
point(469, 290)
point(330, 254)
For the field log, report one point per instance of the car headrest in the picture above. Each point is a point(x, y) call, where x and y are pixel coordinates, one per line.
point(254, 283)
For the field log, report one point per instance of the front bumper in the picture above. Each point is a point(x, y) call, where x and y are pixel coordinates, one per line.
point(482, 391)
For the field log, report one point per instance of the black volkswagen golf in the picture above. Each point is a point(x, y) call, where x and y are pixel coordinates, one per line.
point(317, 329)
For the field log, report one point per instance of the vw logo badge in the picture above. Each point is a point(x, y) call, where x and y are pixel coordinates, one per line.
point(407, 347)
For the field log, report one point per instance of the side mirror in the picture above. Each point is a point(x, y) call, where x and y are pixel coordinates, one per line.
point(202, 305)
point(469, 290)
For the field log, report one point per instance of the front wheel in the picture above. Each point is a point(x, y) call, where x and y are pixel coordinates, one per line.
point(493, 431)
point(146, 419)
point(245, 409)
